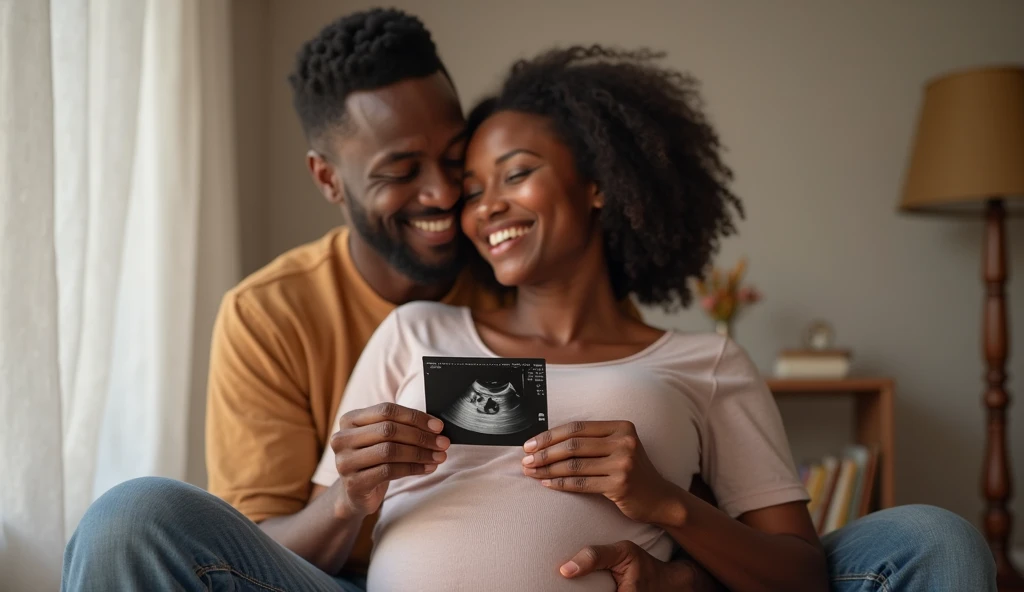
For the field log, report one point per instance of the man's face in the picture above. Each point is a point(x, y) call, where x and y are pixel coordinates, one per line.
point(398, 174)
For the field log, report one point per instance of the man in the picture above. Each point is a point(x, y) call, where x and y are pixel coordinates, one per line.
point(385, 131)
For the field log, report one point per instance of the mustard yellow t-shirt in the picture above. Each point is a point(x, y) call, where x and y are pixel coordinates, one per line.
point(284, 344)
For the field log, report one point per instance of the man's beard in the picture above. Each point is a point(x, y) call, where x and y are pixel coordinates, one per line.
point(399, 256)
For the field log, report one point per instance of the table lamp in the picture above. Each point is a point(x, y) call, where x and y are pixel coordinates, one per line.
point(968, 158)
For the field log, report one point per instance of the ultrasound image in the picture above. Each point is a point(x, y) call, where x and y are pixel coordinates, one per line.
point(496, 401)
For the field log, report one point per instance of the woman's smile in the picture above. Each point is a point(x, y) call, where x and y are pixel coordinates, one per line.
point(501, 238)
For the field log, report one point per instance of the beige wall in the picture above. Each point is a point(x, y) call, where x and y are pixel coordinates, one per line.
point(816, 102)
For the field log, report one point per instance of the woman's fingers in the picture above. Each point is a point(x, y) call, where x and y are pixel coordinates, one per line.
point(574, 467)
point(368, 479)
point(578, 484)
point(574, 429)
point(387, 453)
point(388, 431)
point(573, 448)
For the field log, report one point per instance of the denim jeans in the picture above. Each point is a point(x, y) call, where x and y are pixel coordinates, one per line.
point(909, 548)
point(157, 534)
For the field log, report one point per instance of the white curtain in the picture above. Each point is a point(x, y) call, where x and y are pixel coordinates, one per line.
point(115, 139)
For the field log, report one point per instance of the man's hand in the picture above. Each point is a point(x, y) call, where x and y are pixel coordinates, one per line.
point(635, 570)
point(606, 458)
point(377, 445)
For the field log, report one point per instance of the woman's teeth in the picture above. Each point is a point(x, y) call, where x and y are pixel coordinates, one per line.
point(433, 225)
point(507, 234)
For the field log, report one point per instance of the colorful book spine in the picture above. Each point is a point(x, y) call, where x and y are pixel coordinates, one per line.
point(841, 487)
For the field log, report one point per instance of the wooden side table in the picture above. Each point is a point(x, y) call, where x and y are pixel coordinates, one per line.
point(874, 418)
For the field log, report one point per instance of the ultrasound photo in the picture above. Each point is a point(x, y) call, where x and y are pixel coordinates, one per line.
point(487, 401)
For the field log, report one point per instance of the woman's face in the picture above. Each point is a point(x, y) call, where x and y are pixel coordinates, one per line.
point(527, 211)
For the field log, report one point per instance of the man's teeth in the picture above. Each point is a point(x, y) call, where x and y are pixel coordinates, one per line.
point(433, 225)
point(507, 234)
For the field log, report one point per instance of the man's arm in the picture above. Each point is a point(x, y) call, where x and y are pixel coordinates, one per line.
point(261, 442)
point(376, 442)
point(262, 447)
point(317, 533)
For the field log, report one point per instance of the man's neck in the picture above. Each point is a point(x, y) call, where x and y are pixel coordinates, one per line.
point(389, 283)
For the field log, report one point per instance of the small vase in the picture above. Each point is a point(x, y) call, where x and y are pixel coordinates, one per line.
point(723, 328)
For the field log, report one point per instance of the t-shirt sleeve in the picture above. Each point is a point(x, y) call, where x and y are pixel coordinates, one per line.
point(261, 443)
point(375, 379)
point(746, 458)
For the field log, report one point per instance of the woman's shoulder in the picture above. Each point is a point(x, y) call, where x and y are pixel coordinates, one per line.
point(419, 311)
point(429, 319)
point(709, 351)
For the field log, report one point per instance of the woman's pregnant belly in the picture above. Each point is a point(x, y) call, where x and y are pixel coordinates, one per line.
point(478, 523)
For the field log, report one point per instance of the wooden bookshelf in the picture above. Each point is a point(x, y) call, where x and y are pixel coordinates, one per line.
point(873, 420)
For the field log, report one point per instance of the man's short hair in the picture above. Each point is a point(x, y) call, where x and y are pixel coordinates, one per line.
point(361, 51)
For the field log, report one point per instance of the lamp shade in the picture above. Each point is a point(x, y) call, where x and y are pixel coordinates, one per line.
point(969, 143)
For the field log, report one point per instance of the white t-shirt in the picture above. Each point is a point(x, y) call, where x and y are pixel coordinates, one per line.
point(477, 523)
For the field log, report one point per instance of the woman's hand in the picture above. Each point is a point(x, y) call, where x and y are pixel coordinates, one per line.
point(604, 457)
point(376, 445)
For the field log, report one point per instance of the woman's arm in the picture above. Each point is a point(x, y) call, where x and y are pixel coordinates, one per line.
point(746, 461)
point(774, 548)
point(762, 504)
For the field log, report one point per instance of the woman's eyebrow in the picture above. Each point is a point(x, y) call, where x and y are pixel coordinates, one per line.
point(504, 157)
point(512, 153)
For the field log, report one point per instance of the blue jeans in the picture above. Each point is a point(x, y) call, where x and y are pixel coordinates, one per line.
point(909, 548)
point(157, 534)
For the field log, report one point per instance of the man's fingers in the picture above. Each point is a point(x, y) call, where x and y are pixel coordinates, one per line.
point(575, 447)
point(597, 557)
point(387, 431)
point(392, 412)
point(386, 453)
point(573, 429)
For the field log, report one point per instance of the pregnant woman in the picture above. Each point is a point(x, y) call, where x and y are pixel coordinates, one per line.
point(590, 176)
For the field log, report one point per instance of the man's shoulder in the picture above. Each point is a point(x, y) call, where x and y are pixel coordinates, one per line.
point(301, 265)
point(297, 291)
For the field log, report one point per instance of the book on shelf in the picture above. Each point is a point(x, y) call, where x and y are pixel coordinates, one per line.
point(841, 487)
point(809, 363)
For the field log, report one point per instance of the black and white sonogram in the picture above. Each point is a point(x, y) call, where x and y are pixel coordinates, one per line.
point(487, 401)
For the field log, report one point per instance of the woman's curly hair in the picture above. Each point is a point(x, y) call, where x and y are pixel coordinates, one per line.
point(638, 132)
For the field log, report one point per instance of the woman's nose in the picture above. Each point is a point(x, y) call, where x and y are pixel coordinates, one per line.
point(489, 205)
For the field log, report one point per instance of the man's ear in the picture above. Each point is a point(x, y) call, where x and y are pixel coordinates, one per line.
point(325, 177)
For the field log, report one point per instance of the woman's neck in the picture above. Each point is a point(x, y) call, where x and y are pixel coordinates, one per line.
point(577, 307)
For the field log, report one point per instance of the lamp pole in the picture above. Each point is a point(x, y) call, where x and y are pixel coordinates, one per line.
point(997, 483)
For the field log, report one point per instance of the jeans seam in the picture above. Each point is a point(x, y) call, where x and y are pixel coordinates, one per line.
point(874, 577)
point(203, 570)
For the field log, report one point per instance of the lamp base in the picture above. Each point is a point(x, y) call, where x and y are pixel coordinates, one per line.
point(1006, 580)
point(1010, 581)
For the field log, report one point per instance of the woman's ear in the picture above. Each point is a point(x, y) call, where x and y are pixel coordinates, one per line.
point(596, 197)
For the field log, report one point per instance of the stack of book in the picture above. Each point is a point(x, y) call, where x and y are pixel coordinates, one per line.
point(841, 487)
point(808, 363)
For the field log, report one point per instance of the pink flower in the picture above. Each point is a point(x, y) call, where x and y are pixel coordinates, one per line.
point(749, 295)
point(708, 302)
